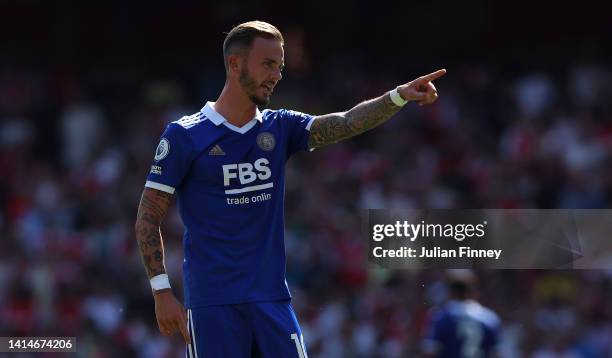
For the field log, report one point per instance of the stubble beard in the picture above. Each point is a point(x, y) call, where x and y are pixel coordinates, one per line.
point(250, 87)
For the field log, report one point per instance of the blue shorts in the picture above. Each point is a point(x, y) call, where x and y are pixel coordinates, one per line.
point(256, 329)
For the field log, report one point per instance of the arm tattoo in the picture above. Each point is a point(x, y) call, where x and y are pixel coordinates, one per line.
point(153, 207)
point(331, 128)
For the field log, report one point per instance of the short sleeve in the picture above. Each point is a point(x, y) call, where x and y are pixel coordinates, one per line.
point(298, 127)
point(172, 159)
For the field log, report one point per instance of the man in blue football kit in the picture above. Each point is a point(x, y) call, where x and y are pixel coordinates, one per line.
point(226, 163)
point(462, 327)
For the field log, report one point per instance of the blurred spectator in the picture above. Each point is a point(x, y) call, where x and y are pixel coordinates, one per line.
point(76, 144)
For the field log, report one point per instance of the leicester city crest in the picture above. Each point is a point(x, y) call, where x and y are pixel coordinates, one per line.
point(266, 141)
point(163, 148)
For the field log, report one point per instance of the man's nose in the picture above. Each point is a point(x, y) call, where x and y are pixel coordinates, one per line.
point(277, 75)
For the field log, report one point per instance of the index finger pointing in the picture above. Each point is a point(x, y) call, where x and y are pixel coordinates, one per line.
point(434, 75)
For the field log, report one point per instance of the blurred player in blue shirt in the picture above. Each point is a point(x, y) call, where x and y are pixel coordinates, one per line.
point(462, 328)
point(225, 164)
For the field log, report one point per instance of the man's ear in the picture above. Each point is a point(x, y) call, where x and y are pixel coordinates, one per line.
point(234, 63)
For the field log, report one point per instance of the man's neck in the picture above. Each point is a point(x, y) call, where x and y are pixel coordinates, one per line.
point(235, 106)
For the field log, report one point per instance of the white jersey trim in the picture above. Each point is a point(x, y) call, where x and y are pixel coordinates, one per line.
point(245, 128)
point(190, 121)
point(209, 112)
point(310, 123)
point(193, 334)
point(250, 188)
point(153, 185)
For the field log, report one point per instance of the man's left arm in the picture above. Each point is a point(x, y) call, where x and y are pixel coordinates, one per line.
point(331, 128)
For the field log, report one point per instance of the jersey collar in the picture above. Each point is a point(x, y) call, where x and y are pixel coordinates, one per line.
point(214, 116)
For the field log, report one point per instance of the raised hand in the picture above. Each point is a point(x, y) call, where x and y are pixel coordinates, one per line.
point(421, 89)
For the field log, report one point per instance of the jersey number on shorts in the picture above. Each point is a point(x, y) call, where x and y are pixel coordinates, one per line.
point(299, 345)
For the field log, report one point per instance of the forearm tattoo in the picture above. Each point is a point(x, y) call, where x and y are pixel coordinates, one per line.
point(151, 211)
point(331, 128)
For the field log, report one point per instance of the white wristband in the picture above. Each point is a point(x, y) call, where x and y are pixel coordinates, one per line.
point(160, 282)
point(396, 98)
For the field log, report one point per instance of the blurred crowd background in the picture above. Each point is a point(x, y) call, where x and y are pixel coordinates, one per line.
point(524, 120)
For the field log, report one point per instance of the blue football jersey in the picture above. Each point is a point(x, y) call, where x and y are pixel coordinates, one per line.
point(229, 182)
point(463, 329)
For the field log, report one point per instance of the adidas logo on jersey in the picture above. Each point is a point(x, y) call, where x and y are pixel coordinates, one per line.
point(216, 150)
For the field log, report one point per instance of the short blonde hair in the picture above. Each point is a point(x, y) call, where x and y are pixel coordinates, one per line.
point(240, 38)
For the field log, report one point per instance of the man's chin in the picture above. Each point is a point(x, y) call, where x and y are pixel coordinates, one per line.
point(260, 101)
